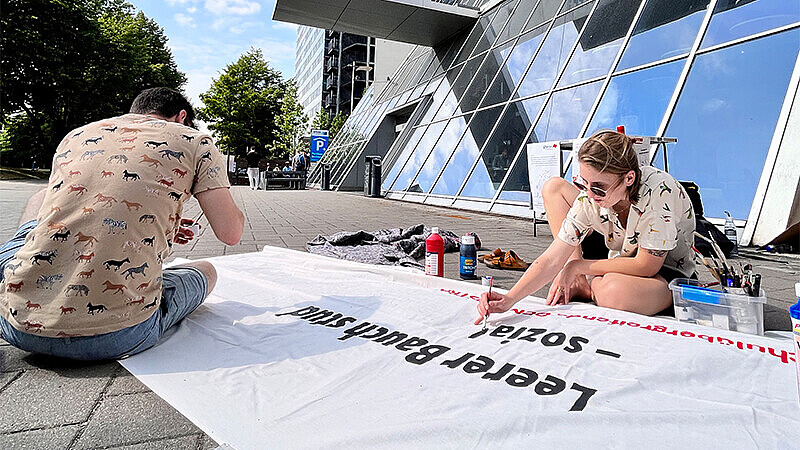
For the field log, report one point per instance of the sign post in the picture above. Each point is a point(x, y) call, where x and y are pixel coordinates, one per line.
point(319, 143)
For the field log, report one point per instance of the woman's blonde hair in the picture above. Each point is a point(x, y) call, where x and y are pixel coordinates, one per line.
point(612, 152)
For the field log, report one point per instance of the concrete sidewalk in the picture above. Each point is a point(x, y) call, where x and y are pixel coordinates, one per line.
point(51, 403)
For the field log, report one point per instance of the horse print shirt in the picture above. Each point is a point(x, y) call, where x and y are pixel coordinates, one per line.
point(113, 205)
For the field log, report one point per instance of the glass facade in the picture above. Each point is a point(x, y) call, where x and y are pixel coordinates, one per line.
point(713, 74)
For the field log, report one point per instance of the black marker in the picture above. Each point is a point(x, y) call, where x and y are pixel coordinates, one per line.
point(756, 284)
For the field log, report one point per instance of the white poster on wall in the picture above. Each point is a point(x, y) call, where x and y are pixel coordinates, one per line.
point(574, 166)
point(544, 162)
point(641, 146)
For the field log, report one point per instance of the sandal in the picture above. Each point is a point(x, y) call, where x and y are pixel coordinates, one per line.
point(510, 261)
point(497, 253)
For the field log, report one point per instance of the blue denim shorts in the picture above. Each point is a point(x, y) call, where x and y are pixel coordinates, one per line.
point(184, 289)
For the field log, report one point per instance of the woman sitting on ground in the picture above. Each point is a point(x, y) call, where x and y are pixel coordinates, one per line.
point(643, 218)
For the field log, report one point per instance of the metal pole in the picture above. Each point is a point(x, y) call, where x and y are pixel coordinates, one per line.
point(352, 88)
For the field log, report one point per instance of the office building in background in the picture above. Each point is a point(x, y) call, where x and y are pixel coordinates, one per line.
point(490, 77)
point(327, 62)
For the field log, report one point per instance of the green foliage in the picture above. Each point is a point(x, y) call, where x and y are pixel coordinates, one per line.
point(322, 121)
point(242, 105)
point(67, 63)
point(291, 123)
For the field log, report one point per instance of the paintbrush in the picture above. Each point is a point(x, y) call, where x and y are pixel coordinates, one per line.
point(707, 264)
point(486, 317)
point(717, 250)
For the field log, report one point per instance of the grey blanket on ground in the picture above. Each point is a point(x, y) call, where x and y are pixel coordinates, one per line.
point(392, 246)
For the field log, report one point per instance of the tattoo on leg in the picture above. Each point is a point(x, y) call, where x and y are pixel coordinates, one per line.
point(657, 253)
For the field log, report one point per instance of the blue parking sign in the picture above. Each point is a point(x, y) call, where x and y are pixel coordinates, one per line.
point(319, 143)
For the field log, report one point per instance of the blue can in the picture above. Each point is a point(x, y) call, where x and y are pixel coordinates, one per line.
point(469, 258)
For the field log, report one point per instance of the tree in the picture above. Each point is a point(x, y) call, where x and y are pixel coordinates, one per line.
point(291, 123)
point(322, 121)
point(135, 49)
point(243, 104)
point(66, 63)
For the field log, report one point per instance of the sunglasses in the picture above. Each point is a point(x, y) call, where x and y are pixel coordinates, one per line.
point(581, 184)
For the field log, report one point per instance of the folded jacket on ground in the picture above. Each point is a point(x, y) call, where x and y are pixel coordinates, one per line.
point(391, 246)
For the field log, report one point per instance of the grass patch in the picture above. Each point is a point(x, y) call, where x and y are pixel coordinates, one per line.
point(7, 173)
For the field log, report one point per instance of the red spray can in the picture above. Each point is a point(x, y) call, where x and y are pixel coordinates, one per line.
point(434, 254)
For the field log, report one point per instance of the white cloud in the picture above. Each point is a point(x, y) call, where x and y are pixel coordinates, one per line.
point(205, 53)
point(713, 105)
point(240, 28)
point(238, 7)
point(223, 22)
point(191, 10)
point(276, 50)
point(184, 20)
point(198, 81)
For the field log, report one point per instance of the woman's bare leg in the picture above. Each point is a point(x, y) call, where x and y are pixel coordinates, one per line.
point(631, 293)
point(559, 195)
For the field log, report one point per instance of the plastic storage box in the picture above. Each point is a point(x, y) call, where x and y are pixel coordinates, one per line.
point(713, 308)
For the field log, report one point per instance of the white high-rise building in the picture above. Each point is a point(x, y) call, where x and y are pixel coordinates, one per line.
point(334, 69)
point(308, 68)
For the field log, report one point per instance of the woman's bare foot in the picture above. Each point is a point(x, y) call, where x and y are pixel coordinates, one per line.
point(581, 291)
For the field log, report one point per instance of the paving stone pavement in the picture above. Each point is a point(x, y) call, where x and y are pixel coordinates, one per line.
point(53, 404)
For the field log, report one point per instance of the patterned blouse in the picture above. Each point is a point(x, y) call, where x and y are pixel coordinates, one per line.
point(92, 265)
point(662, 219)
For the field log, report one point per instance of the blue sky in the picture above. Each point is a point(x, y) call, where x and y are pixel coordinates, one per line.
point(207, 35)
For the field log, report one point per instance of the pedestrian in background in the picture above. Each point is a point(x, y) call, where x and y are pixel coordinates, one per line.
point(252, 168)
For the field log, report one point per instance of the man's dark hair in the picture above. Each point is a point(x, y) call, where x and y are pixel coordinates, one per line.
point(163, 101)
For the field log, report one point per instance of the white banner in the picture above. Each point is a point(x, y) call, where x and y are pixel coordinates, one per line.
point(300, 351)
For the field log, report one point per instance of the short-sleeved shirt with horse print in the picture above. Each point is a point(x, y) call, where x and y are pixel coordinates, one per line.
point(112, 207)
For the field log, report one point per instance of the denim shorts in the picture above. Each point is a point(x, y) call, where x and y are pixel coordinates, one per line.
point(184, 289)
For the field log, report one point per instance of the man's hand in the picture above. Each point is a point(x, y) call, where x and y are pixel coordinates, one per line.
point(186, 231)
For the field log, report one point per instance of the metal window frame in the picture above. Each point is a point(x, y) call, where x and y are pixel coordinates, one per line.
point(377, 120)
point(512, 100)
point(690, 58)
point(505, 105)
point(547, 99)
point(429, 105)
point(519, 33)
point(772, 152)
point(500, 30)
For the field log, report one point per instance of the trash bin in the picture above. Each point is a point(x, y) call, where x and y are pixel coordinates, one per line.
point(326, 177)
point(375, 177)
point(368, 174)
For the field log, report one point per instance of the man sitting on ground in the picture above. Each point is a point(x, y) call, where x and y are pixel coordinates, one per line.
point(82, 277)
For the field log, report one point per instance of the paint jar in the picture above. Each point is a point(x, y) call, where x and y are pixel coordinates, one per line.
point(794, 311)
point(466, 269)
point(486, 280)
point(434, 254)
